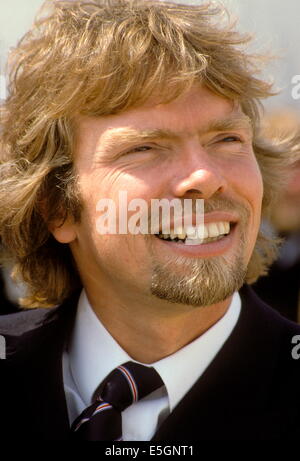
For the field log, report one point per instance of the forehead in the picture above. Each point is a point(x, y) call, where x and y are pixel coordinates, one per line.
point(198, 110)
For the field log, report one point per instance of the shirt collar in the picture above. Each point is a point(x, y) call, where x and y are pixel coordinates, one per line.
point(94, 353)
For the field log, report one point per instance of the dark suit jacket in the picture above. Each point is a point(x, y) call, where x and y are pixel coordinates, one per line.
point(281, 289)
point(251, 391)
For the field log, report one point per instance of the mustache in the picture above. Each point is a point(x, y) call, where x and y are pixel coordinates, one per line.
point(227, 204)
point(221, 204)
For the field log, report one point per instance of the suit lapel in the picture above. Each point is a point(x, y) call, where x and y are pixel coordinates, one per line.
point(36, 365)
point(225, 401)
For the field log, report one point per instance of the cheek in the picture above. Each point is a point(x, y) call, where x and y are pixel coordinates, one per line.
point(248, 183)
point(106, 197)
point(122, 186)
point(252, 184)
point(249, 179)
point(257, 189)
point(99, 186)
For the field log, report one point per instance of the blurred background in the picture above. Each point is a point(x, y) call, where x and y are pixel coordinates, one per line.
point(275, 25)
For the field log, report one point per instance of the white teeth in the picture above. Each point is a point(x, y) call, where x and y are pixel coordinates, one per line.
point(200, 232)
point(213, 230)
point(197, 235)
point(179, 230)
point(221, 228)
point(191, 232)
point(226, 226)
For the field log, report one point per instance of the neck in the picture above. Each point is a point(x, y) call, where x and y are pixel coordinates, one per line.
point(150, 331)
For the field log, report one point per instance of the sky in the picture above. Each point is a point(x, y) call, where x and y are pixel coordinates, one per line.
point(274, 23)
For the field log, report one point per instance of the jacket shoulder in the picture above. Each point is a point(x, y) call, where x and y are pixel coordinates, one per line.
point(26, 320)
point(267, 314)
point(20, 322)
point(272, 335)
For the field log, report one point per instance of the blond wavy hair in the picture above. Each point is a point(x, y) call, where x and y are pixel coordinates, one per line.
point(96, 58)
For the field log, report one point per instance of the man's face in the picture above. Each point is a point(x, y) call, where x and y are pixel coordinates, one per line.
point(198, 146)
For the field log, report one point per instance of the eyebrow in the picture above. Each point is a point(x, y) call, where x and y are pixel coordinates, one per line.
point(118, 136)
point(115, 137)
point(232, 123)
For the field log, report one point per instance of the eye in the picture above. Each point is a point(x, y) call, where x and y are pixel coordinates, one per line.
point(231, 139)
point(140, 149)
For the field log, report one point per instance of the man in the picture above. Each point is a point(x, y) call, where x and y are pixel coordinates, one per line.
point(158, 101)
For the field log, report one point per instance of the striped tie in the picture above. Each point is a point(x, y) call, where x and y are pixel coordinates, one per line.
point(124, 386)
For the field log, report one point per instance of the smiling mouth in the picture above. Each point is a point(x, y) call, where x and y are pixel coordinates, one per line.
point(192, 235)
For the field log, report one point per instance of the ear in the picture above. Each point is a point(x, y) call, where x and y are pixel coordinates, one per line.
point(63, 233)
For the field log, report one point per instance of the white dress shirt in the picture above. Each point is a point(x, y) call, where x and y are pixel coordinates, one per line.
point(93, 353)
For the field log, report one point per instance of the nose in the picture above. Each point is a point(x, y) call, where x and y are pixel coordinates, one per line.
point(198, 174)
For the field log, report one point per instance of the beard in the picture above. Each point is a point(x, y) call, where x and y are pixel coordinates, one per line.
point(197, 283)
point(203, 282)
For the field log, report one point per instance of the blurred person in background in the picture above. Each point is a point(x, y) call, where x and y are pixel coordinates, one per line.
point(281, 287)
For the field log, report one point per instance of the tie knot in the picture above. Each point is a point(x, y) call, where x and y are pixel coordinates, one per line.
point(127, 384)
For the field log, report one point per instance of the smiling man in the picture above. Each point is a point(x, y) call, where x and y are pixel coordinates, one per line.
point(141, 336)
